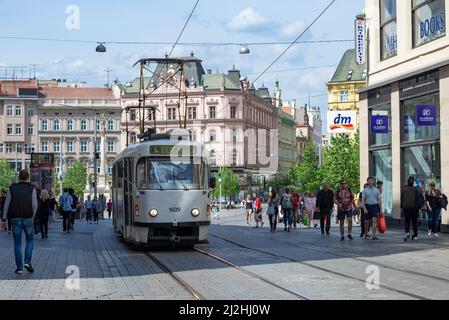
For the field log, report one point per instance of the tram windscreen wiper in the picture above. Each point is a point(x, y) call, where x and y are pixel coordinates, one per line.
point(176, 178)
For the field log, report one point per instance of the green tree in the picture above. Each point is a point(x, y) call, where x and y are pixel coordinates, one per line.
point(76, 178)
point(7, 175)
point(342, 161)
point(230, 185)
point(307, 176)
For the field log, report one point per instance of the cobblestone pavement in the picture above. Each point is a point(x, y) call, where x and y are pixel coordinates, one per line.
point(303, 262)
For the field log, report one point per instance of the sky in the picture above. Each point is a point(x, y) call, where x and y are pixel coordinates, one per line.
point(239, 21)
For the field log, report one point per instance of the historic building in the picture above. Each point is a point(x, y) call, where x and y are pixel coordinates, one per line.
point(402, 111)
point(18, 121)
point(233, 119)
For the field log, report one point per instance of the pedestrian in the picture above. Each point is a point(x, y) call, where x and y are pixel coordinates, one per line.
point(310, 207)
point(3, 223)
point(257, 208)
point(96, 209)
point(361, 213)
point(273, 207)
point(434, 206)
point(88, 206)
point(371, 202)
point(74, 208)
point(296, 200)
point(65, 204)
point(20, 207)
point(345, 201)
point(411, 202)
point(52, 209)
point(216, 211)
point(287, 207)
point(325, 205)
point(44, 213)
point(249, 209)
point(109, 208)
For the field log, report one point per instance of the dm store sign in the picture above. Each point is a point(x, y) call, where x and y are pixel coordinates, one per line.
point(341, 121)
point(426, 115)
point(379, 124)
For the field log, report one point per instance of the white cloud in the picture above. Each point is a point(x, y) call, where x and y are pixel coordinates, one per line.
point(248, 20)
point(293, 29)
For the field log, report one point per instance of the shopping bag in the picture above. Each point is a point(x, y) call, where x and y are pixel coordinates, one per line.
point(305, 220)
point(382, 224)
point(316, 215)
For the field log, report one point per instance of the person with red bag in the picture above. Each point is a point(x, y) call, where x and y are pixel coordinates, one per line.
point(371, 204)
point(257, 207)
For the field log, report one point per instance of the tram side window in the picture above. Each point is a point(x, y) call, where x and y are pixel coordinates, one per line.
point(142, 174)
point(120, 174)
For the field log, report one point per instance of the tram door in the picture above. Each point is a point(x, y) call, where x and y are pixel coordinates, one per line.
point(128, 196)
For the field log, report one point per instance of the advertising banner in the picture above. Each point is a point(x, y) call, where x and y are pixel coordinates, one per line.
point(341, 121)
point(360, 46)
point(426, 115)
point(379, 124)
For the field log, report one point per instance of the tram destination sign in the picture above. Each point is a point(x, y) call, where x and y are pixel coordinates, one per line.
point(164, 150)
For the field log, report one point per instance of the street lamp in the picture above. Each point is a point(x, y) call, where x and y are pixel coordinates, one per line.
point(100, 48)
point(244, 50)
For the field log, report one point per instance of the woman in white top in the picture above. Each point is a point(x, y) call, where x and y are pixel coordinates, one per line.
point(310, 206)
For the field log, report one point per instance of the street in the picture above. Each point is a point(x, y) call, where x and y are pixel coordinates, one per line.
point(239, 263)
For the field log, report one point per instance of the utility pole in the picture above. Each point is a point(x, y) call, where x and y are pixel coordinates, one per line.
point(108, 71)
point(220, 180)
point(95, 157)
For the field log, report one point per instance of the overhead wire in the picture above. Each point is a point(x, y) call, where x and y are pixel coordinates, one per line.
point(183, 28)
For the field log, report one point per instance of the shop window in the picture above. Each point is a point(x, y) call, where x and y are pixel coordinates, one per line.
point(388, 29)
point(380, 139)
point(429, 21)
point(381, 170)
point(423, 163)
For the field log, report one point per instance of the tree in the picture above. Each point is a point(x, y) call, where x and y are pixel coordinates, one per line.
point(230, 185)
point(342, 161)
point(7, 175)
point(306, 176)
point(76, 178)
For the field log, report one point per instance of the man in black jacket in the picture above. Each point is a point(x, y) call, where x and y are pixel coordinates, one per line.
point(21, 206)
point(412, 201)
point(325, 205)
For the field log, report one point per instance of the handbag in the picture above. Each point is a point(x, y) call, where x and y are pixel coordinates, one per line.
point(382, 224)
point(270, 211)
point(316, 215)
point(281, 213)
point(305, 220)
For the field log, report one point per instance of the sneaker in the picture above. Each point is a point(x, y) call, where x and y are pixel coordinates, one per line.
point(375, 239)
point(342, 239)
point(316, 226)
point(18, 271)
point(362, 235)
point(367, 237)
point(285, 229)
point(29, 267)
point(415, 238)
point(407, 236)
point(350, 237)
point(429, 233)
point(436, 235)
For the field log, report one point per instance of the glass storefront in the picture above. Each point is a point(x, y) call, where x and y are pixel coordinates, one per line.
point(411, 130)
point(381, 168)
point(423, 163)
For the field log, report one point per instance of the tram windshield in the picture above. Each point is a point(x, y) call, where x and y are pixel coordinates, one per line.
point(163, 174)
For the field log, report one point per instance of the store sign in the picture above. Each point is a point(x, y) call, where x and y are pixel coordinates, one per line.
point(432, 26)
point(379, 124)
point(426, 115)
point(409, 124)
point(360, 47)
point(341, 121)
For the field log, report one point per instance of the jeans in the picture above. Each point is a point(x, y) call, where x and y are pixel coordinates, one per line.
point(72, 219)
point(26, 225)
point(435, 215)
point(288, 216)
point(66, 220)
point(89, 215)
point(96, 216)
point(325, 214)
point(411, 216)
point(43, 223)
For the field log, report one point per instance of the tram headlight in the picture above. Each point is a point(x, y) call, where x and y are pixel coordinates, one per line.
point(153, 213)
point(195, 212)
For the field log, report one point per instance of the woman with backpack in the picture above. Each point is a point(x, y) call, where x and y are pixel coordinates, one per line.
point(273, 206)
point(434, 201)
point(287, 207)
point(257, 208)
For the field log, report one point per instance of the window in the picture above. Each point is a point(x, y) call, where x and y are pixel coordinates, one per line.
point(69, 146)
point(422, 162)
point(97, 146)
point(234, 136)
point(233, 112)
point(69, 125)
point(429, 21)
point(19, 148)
point(9, 129)
point(212, 136)
point(111, 146)
point(132, 116)
point(212, 114)
point(382, 171)
point(31, 129)
point(171, 114)
point(9, 111)
point(57, 146)
point(381, 139)
point(56, 125)
point(412, 131)
point(30, 111)
point(133, 137)
point(344, 96)
point(44, 146)
point(111, 126)
point(44, 125)
point(193, 135)
point(83, 125)
point(388, 29)
point(192, 113)
point(18, 129)
point(98, 124)
point(83, 146)
point(18, 111)
point(30, 148)
point(1, 147)
point(110, 168)
point(8, 148)
point(234, 157)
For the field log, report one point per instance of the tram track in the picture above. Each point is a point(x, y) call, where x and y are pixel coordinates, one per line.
point(310, 265)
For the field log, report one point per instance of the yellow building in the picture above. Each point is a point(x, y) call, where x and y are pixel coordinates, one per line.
point(342, 89)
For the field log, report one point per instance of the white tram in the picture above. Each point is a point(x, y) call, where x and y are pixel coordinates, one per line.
point(161, 191)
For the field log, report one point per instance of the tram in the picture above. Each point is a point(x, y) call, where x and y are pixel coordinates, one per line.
point(161, 191)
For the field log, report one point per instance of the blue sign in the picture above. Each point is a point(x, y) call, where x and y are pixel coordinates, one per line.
point(426, 115)
point(409, 124)
point(379, 124)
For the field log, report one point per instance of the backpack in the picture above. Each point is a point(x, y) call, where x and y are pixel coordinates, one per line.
point(444, 202)
point(287, 201)
point(409, 198)
point(74, 202)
